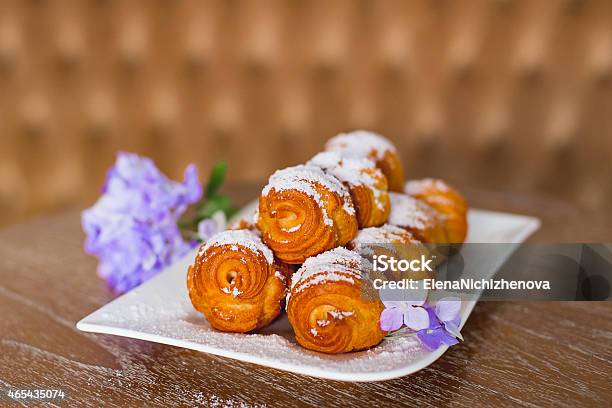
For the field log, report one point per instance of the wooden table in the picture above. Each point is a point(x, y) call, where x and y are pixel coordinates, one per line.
point(515, 353)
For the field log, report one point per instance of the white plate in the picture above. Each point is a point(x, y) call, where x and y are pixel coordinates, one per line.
point(160, 311)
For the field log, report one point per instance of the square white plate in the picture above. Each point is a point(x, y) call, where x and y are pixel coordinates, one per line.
point(160, 311)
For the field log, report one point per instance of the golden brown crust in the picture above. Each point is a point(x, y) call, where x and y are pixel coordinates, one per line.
point(235, 286)
point(447, 201)
point(369, 213)
point(414, 215)
point(366, 183)
point(392, 167)
point(303, 212)
point(326, 306)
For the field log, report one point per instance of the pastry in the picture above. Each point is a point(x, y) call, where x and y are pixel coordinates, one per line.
point(365, 182)
point(303, 212)
point(414, 215)
point(447, 201)
point(390, 241)
point(362, 143)
point(332, 305)
point(236, 282)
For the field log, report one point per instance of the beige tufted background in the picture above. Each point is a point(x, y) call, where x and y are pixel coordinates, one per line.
point(504, 95)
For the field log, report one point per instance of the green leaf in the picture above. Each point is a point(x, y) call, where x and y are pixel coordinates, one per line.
point(217, 175)
point(212, 205)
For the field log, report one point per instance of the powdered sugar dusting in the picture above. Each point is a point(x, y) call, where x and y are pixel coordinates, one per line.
point(294, 228)
point(330, 263)
point(417, 187)
point(336, 265)
point(160, 311)
point(280, 276)
point(385, 234)
point(339, 315)
point(235, 238)
point(167, 315)
point(407, 211)
point(354, 171)
point(304, 178)
point(360, 143)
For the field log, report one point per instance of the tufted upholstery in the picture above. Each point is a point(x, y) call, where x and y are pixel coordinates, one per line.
point(501, 94)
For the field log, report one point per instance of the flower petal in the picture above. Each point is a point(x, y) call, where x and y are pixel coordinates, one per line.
point(448, 308)
point(452, 328)
point(192, 184)
point(416, 318)
point(428, 339)
point(206, 229)
point(432, 339)
point(391, 319)
point(132, 227)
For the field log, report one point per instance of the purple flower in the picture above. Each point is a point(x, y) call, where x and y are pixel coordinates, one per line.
point(132, 228)
point(447, 311)
point(210, 226)
point(410, 313)
point(444, 324)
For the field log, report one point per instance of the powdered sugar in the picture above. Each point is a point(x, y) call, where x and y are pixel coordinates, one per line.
point(294, 228)
point(236, 238)
point(304, 178)
point(354, 171)
point(385, 234)
point(331, 263)
point(280, 276)
point(160, 311)
point(408, 212)
point(336, 265)
point(320, 278)
point(339, 315)
point(166, 315)
point(417, 187)
point(360, 143)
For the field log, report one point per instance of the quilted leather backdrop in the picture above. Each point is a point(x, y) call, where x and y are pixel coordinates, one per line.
point(506, 94)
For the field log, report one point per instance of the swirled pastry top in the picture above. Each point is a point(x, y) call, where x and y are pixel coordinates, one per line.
point(339, 264)
point(360, 143)
point(239, 238)
point(354, 171)
point(301, 177)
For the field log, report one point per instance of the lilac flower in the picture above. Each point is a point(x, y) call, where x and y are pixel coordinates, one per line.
point(444, 324)
point(447, 310)
point(210, 226)
point(132, 228)
point(410, 313)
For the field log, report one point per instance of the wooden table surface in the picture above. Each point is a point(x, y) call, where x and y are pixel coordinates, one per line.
point(515, 353)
